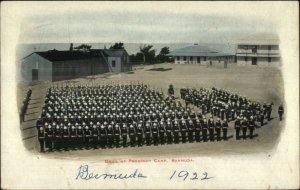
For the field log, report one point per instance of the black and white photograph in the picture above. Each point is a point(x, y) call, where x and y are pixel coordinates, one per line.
point(150, 95)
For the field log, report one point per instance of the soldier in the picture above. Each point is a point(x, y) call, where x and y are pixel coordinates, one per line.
point(66, 134)
point(139, 132)
point(117, 134)
point(197, 129)
point(237, 126)
point(162, 131)
point(86, 133)
point(41, 134)
point(218, 129)
point(261, 117)
point(132, 135)
point(103, 135)
point(155, 132)
point(110, 135)
point(224, 129)
point(124, 132)
point(211, 126)
point(176, 130)
point(49, 136)
point(169, 131)
point(171, 90)
point(269, 111)
point(183, 130)
point(191, 129)
point(280, 112)
point(251, 127)
point(204, 127)
point(244, 127)
point(148, 133)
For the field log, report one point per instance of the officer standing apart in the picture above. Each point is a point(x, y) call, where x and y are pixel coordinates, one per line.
point(280, 112)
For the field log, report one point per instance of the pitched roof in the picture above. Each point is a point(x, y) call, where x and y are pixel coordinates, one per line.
point(115, 52)
point(55, 55)
point(197, 50)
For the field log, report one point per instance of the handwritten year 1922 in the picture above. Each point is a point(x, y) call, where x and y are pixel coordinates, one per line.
point(183, 174)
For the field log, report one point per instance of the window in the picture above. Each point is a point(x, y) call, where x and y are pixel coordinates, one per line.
point(113, 63)
point(198, 59)
point(178, 58)
point(269, 59)
point(184, 58)
point(269, 47)
point(191, 58)
point(246, 59)
point(205, 58)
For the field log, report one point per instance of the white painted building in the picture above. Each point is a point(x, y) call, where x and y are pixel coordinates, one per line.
point(258, 51)
point(118, 60)
point(202, 55)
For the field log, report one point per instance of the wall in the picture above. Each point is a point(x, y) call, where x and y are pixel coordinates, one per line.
point(79, 68)
point(215, 61)
point(34, 61)
point(118, 66)
point(261, 61)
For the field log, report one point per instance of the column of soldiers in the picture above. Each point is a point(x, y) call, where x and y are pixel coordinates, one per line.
point(118, 115)
point(246, 114)
point(25, 105)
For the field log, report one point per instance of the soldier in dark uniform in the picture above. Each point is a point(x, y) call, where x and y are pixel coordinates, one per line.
point(261, 117)
point(269, 111)
point(224, 129)
point(162, 131)
point(204, 127)
point(176, 130)
point(237, 126)
point(132, 135)
point(103, 135)
point(211, 127)
point(171, 90)
point(183, 130)
point(251, 127)
point(139, 132)
point(117, 134)
point(169, 129)
point(41, 134)
point(218, 129)
point(155, 132)
point(148, 133)
point(244, 127)
point(197, 130)
point(110, 135)
point(191, 129)
point(280, 112)
point(49, 136)
point(124, 132)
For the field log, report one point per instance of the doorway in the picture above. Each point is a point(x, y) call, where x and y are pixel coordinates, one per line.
point(35, 74)
point(254, 60)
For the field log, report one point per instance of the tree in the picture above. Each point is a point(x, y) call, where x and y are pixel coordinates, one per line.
point(162, 56)
point(148, 53)
point(71, 47)
point(83, 47)
point(117, 45)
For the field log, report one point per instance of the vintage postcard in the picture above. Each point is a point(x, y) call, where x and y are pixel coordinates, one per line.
point(150, 95)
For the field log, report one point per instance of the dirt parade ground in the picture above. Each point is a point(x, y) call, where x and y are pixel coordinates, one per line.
point(264, 85)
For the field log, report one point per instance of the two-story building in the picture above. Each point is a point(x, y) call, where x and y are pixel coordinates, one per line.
point(258, 51)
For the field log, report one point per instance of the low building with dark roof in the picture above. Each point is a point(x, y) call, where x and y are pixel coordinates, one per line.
point(198, 54)
point(54, 65)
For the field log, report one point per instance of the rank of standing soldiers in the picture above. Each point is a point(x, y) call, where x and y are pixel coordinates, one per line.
point(121, 115)
point(25, 105)
point(246, 114)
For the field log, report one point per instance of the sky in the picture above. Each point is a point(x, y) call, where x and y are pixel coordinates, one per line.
point(147, 22)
